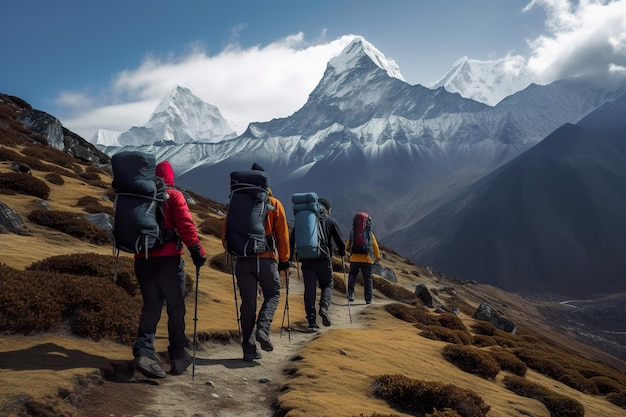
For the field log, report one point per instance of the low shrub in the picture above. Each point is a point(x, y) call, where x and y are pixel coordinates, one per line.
point(485, 328)
point(451, 321)
point(70, 223)
point(99, 309)
point(28, 303)
point(508, 361)
point(617, 398)
point(211, 226)
point(483, 341)
point(93, 265)
point(89, 176)
point(92, 205)
point(472, 360)
point(54, 178)
point(459, 337)
point(418, 396)
point(24, 184)
point(558, 405)
point(606, 385)
point(557, 365)
point(447, 412)
point(44, 300)
point(222, 262)
point(393, 291)
point(411, 314)
point(52, 155)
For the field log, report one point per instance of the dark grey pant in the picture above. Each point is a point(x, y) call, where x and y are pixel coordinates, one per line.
point(368, 284)
point(161, 278)
point(313, 273)
point(252, 272)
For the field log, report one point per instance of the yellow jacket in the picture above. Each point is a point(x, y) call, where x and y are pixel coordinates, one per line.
point(365, 257)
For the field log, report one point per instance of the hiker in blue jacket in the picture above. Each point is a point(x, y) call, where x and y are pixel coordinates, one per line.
point(320, 271)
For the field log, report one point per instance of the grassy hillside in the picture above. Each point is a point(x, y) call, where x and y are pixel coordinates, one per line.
point(404, 358)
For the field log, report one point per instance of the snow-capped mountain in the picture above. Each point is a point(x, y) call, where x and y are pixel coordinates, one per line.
point(181, 117)
point(486, 81)
point(371, 142)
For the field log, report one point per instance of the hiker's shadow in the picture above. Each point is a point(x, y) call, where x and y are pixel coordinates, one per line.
point(50, 356)
point(230, 363)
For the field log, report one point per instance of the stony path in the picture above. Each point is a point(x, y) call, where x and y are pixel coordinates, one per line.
point(223, 385)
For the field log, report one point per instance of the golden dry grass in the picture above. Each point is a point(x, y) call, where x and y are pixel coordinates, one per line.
point(332, 374)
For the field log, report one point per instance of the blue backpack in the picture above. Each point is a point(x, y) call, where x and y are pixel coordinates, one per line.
point(309, 239)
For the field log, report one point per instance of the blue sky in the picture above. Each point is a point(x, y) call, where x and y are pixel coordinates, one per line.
point(96, 64)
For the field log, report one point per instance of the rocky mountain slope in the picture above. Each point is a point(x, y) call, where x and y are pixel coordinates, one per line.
point(334, 372)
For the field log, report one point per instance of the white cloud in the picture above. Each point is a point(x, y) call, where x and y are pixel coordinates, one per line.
point(583, 37)
point(255, 84)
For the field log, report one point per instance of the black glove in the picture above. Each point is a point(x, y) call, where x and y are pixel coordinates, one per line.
point(197, 255)
point(342, 252)
point(283, 265)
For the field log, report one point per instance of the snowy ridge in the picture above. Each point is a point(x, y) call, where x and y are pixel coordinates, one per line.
point(180, 117)
point(486, 81)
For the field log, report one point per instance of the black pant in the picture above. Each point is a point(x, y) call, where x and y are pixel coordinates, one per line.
point(250, 273)
point(368, 284)
point(313, 273)
point(161, 278)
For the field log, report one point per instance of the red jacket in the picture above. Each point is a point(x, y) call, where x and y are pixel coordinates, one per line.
point(176, 217)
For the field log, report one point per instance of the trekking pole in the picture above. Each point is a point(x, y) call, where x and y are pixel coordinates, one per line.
point(343, 268)
point(286, 310)
point(195, 323)
point(236, 305)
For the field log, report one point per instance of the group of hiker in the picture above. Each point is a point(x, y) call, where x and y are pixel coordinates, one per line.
point(256, 233)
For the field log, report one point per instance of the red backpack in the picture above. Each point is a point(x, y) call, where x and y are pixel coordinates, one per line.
point(361, 235)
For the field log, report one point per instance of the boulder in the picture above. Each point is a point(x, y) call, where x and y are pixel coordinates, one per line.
point(384, 272)
point(11, 221)
point(486, 313)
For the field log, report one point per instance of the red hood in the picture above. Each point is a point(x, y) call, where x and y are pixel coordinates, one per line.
point(165, 171)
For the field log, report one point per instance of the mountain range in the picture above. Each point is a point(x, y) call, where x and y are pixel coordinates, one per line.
point(436, 170)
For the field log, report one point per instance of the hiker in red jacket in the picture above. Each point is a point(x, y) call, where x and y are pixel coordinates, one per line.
point(161, 277)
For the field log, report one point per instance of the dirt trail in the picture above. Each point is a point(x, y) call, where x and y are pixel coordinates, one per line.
point(223, 384)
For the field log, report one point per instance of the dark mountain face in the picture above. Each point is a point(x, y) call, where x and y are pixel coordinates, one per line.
point(550, 220)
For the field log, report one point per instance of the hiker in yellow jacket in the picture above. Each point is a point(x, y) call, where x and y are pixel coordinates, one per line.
point(364, 252)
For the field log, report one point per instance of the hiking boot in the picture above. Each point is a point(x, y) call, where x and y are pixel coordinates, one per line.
point(368, 302)
point(325, 320)
point(249, 357)
point(178, 366)
point(350, 298)
point(313, 325)
point(264, 340)
point(149, 367)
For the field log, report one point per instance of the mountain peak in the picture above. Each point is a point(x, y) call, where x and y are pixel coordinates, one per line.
point(486, 81)
point(356, 50)
point(181, 117)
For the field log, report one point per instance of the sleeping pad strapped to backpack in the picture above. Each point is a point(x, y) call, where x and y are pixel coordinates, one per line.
point(308, 231)
point(138, 223)
point(247, 210)
point(360, 236)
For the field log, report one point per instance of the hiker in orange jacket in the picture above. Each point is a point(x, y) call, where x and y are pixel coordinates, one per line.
point(265, 269)
point(362, 262)
point(161, 277)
